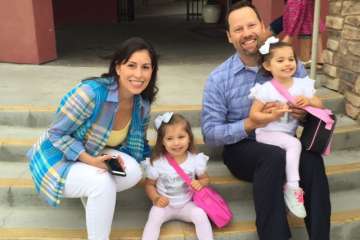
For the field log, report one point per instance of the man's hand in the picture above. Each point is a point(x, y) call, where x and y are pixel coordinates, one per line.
point(273, 111)
point(297, 113)
point(279, 112)
point(272, 106)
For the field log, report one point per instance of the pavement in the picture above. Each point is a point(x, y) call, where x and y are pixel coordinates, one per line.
point(44, 85)
point(188, 51)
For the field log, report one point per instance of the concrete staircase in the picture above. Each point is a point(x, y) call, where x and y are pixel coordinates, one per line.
point(24, 216)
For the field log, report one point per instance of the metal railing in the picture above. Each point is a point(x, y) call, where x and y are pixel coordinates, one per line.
point(315, 39)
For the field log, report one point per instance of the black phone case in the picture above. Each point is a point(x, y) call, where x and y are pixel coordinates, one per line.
point(112, 170)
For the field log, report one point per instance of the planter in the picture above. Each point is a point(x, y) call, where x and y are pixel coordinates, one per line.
point(211, 13)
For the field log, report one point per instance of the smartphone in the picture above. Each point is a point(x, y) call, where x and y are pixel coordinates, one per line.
point(114, 167)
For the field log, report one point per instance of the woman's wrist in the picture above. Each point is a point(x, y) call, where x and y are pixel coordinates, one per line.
point(87, 158)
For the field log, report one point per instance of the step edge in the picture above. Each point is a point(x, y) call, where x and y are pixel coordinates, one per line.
point(155, 108)
point(240, 227)
point(200, 141)
point(331, 170)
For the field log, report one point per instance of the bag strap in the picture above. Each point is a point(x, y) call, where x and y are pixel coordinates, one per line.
point(323, 114)
point(178, 169)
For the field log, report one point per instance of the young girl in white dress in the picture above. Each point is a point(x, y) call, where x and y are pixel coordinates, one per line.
point(170, 195)
point(278, 59)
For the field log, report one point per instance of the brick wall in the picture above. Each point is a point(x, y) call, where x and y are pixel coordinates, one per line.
point(342, 53)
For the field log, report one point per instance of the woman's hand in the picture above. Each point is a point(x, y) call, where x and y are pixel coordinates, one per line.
point(120, 160)
point(161, 201)
point(99, 161)
point(196, 184)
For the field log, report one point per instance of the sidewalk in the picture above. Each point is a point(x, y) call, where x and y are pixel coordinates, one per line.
point(188, 52)
point(45, 85)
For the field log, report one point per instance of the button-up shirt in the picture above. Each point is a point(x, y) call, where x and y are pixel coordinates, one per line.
point(226, 104)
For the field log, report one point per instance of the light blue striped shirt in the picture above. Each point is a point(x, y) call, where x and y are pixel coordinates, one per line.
point(226, 103)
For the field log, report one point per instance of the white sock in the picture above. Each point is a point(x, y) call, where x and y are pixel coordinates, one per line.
point(293, 184)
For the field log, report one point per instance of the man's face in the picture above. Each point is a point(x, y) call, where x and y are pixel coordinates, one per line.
point(245, 31)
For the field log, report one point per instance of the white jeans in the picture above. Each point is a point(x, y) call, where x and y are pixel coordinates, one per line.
point(100, 188)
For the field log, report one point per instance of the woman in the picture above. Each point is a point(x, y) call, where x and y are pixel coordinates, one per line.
point(109, 111)
point(298, 22)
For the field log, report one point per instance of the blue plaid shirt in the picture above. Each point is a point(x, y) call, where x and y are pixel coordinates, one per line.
point(226, 103)
point(83, 122)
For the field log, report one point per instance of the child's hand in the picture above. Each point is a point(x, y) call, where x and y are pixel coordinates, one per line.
point(161, 201)
point(301, 101)
point(195, 184)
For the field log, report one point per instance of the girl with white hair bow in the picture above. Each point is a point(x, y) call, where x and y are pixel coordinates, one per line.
point(279, 61)
point(171, 196)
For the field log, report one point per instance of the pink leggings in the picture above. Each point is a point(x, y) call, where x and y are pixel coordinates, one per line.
point(290, 144)
point(188, 213)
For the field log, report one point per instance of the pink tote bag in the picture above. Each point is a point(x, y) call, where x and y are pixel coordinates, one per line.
point(207, 199)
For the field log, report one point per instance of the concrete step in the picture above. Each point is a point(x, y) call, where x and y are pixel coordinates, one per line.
point(17, 189)
point(15, 141)
point(41, 116)
point(50, 224)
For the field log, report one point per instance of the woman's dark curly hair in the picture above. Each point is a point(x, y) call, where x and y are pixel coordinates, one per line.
point(122, 55)
point(267, 57)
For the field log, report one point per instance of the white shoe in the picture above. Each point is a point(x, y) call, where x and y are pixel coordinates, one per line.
point(294, 199)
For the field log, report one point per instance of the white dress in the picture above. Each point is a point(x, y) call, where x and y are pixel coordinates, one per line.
point(267, 93)
point(169, 183)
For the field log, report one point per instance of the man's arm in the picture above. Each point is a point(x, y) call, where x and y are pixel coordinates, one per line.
point(215, 127)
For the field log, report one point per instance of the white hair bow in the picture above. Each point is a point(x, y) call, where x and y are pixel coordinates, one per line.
point(264, 49)
point(163, 118)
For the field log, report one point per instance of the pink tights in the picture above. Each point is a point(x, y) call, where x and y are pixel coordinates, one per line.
point(188, 213)
point(290, 144)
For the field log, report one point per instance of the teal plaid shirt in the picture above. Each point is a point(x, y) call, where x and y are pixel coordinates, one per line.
point(83, 122)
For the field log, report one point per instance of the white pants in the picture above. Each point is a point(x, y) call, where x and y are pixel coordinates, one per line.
point(188, 213)
point(100, 188)
point(290, 144)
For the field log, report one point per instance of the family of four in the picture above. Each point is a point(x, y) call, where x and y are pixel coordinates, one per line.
point(109, 115)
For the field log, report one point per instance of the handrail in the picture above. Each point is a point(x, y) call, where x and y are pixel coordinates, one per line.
point(315, 39)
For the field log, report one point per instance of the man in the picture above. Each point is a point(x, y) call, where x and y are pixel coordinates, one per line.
point(225, 121)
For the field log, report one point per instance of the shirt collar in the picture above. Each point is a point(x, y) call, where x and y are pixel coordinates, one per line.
point(237, 65)
point(113, 94)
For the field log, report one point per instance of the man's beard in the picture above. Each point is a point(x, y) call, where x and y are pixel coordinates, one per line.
point(254, 52)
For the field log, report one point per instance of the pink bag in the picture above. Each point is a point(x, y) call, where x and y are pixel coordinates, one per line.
point(318, 127)
point(207, 199)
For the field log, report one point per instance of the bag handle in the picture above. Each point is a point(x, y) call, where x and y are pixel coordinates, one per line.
point(178, 169)
point(323, 114)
